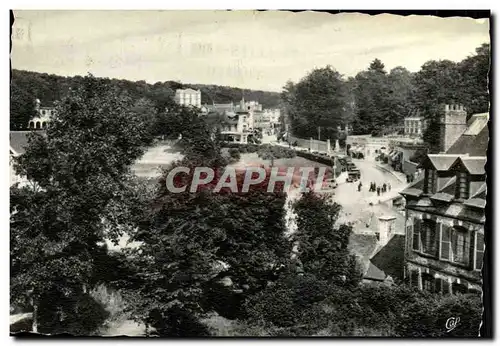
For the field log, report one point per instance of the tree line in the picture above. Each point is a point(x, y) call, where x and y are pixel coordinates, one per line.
point(198, 253)
point(27, 86)
point(376, 101)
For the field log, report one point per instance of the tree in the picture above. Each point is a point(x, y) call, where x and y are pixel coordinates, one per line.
point(22, 108)
point(78, 170)
point(317, 101)
point(372, 98)
point(474, 72)
point(322, 246)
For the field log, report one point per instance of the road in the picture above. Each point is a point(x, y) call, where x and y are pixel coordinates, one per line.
point(353, 201)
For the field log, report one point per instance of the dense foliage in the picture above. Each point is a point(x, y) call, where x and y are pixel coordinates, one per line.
point(376, 101)
point(27, 86)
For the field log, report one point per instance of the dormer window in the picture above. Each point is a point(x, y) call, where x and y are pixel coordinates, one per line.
point(430, 181)
point(462, 186)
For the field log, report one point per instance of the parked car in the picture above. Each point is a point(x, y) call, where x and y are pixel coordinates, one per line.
point(353, 176)
point(331, 183)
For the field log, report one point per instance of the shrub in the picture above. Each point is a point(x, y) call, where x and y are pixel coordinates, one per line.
point(427, 316)
point(235, 154)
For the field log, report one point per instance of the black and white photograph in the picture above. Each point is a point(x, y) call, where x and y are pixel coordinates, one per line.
point(250, 173)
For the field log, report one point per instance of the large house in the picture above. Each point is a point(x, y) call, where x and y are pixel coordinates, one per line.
point(44, 117)
point(445, 209)
point(188, 97)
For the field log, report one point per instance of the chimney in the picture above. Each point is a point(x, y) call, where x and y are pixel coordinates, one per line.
point(452, 125)
point(385, 229)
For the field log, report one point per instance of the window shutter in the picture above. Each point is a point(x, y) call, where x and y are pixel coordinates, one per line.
point(479, 251)
point(445, 243)
point(416, 234)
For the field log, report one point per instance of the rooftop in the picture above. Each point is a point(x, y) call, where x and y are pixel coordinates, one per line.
point(474, 141)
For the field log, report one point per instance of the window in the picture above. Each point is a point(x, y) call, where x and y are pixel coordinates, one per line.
point(416, 235)
point(460, 246)
point(428, 282)
point(462, 186)
point(459, 288)
point(479, 251)
point(413, 278)
point(455, 245)
point(438, 285)
point(428, 237)
point(430, 180)
point(445, 243)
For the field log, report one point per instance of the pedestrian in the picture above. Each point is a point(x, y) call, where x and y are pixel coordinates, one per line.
point(389, 186)
point(384, 187)
point(378, 191)
point(359, 186)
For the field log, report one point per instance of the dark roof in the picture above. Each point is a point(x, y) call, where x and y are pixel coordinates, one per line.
point(472, 144)
point(390, 258)
point(19, 141)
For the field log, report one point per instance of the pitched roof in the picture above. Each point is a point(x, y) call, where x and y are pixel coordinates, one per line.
point(390, 258)
point(18, 141)
point(474, 141)
point(442, 162)
point(480, 193)
point(475, 165)
point(373, 273)
point(476, 124)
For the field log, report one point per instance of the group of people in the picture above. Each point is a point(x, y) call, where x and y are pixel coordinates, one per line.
point(379, 189)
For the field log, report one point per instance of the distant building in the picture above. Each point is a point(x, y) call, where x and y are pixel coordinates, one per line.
point(414, 125)
point(44, 117)
point(188, 97)
point(236, 127)
point(445, 209)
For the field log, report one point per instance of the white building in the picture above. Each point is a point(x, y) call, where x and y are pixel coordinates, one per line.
point(188, 97)
point(45, 115)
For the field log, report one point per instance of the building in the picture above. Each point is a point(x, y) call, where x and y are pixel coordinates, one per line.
point(188, 97)
point(236, 127)
point(378, 242)
point(414, 125)
point(18, 143)
point(445, 209)
point(44, 117)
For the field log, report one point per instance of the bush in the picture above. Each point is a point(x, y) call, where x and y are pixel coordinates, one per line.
point(81, 315)
point(177, 322)
point(427, 316)
point(234, 153)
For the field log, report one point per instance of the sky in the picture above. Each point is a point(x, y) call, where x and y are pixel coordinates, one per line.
point(246, 49)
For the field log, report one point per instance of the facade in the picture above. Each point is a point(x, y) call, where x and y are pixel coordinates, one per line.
point(188, 97)
point(414, 126)
point(44, 117)
point(445, 210)
point(236, 127)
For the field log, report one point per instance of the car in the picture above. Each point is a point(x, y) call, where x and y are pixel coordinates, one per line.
point(331, 183)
